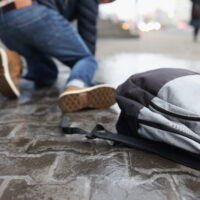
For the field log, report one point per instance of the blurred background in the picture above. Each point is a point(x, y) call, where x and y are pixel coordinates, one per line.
point(145, 15)
point(139, 35)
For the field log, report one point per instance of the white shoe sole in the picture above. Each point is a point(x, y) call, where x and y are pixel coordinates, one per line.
point(8, 79)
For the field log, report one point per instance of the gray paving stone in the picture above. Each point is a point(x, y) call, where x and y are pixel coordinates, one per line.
point(37, 168)
point(77, 189)
point(5, 131)
point(144, 160)
point(188, 187)
point(75, 165)
point(158, 188)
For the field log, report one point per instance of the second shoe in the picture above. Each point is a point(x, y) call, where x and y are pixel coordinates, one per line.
point(10, 69)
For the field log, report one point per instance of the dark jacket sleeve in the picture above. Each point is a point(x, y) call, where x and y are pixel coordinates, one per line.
point(87, 13)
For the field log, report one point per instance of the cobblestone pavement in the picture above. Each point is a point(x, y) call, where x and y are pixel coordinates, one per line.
point(38, 162)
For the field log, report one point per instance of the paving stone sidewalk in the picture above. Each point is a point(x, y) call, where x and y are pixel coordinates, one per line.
point(38, 162)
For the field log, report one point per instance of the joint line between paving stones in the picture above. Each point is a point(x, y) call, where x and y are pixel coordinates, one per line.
point(4, 186)
point(49, 176)
point(15, 130)
point(173, 184)
point(158, 171)
point(7, 180)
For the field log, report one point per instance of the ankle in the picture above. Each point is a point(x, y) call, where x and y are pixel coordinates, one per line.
point(76, 83)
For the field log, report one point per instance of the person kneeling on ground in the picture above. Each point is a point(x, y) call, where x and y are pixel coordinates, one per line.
point(40, 30)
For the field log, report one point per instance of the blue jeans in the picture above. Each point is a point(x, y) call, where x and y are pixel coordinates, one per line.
point(39, 33)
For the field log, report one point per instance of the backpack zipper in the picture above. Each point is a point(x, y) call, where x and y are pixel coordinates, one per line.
point(168, 129)
point(173, 114)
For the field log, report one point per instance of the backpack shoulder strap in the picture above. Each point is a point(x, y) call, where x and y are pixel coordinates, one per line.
point(164, 150)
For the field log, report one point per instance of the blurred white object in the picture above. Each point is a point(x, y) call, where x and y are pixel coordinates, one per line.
point(150, 26)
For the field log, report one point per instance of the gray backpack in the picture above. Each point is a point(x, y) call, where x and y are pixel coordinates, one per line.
point(160, 113)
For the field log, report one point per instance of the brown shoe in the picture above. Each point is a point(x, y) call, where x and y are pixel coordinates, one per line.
point(10, 69)
point(74, 98)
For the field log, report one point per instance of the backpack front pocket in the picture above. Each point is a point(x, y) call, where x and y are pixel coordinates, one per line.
point(176, 114)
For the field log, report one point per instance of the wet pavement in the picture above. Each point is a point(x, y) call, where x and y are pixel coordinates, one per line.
point(38, 162)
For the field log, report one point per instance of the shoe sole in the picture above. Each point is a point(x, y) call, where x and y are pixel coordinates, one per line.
point(7, 86)
point(102, 96)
